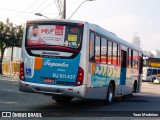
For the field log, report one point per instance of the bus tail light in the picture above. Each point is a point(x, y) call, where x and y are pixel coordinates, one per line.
point(80, 76)
point(21, 73)
point(29, 22)
point(80, 24)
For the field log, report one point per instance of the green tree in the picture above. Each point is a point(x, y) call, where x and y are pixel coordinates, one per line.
point(10, 36)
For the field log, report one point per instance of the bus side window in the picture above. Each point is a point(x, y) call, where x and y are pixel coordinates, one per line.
point(103, 50)
point(149, 72)
point(97, 49)
point(135, 59)
point(130, 58)
point(110, 52)
point(115, 51)
point(91, 47)
point(154, 72)
point(118, 54)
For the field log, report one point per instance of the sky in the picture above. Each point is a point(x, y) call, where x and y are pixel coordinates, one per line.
point(122, 17)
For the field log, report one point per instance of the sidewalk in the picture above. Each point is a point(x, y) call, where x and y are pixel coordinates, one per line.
point(9, 76)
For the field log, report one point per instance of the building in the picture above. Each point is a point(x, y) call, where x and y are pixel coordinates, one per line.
point(136, 40)
point(156, 53)
point(16, 54)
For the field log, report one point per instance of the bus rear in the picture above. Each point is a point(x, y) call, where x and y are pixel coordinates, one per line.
point(51, 55)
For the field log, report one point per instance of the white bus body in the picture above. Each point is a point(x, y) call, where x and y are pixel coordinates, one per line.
point(150, 74)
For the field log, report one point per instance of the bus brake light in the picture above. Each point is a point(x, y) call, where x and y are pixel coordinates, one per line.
point(21, 73)
point(80, 75)
point(80, 24)
point(29, 22)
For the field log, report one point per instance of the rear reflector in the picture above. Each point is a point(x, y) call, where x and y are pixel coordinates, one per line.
point(70, 88)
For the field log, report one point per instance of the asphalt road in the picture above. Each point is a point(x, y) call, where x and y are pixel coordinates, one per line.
point(11, 99)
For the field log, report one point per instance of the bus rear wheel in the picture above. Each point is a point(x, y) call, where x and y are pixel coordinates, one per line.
point(110, 94)
point(134, 87)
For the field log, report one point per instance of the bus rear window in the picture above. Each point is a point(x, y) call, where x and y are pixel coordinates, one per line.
point(60, 35)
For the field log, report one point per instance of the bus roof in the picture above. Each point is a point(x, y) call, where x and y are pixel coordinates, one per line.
point(60, 20)
point(114, 37)
point(97, 29)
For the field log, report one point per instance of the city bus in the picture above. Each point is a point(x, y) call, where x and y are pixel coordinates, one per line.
point(151, 74)
point(75, 59)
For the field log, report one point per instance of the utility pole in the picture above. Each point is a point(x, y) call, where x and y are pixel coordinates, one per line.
point(64, 10)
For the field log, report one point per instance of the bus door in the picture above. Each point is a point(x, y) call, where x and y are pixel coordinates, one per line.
point(123, 67)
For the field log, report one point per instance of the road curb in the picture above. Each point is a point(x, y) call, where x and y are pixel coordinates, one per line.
point(9, 76)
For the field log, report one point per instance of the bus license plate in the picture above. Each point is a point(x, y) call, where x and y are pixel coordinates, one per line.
point(48, 80)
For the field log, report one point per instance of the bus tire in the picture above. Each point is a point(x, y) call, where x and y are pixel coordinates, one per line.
point(62, 99)
point(134, 87)
point(153, 79)
point(110, 94)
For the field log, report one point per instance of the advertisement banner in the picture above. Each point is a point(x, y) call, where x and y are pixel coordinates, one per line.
point(46, 34)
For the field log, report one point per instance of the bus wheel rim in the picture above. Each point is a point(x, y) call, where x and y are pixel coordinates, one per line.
point(110, 96)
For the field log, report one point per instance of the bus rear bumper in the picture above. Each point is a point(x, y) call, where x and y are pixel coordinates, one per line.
point(73, 91)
